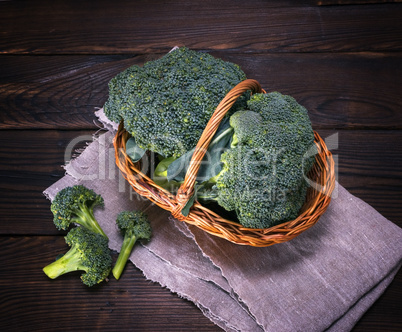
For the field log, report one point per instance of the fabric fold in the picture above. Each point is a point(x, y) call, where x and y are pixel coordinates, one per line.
point(319, 275)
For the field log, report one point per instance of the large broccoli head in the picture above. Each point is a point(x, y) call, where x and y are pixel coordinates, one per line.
point(263, 177)
point(167, 103)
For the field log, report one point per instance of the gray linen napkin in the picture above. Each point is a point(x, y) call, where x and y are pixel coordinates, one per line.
point(325, 279)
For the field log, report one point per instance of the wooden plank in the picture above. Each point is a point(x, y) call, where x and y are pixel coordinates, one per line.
point(353, 2)
point(71, 27)
point(56, 92)
point(352, 90)
point(33, 302)
point(41, 69)
point(31, 161)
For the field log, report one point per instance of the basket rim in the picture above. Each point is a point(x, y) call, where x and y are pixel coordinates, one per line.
point(317, 199)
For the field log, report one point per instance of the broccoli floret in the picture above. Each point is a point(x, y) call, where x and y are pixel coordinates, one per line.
point(167, 103)
point(265, 163)
point(89, 252)
point(134, 226)
point(75, 205)
point(263, 177)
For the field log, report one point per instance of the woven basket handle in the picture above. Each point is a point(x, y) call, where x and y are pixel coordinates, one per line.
point(187, 188)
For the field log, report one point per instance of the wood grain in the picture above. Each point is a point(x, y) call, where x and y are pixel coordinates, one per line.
point(352, 90)
point(352, 2)
point(55, 92)
point(77, 27)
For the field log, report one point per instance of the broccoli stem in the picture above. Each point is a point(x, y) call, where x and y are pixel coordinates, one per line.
point(161, 169)
point(126, 249)
point(69, 262)
point(222, 135)
point(205, 197)
point(206, 192)
point(85, 217)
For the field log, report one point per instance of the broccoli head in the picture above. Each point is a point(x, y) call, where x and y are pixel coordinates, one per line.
point(263, 176)
point(75, 204)
point(166, 103)
point(89, 252)
point(261, 165)
point(134, 226)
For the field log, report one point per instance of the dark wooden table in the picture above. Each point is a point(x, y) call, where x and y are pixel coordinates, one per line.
point(344, 63)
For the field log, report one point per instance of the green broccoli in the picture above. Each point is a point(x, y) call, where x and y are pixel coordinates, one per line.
point(263, 167)
point(263, 177)
point(166, 104)
point(134, 226)
point(75, 205)
point(89, 252)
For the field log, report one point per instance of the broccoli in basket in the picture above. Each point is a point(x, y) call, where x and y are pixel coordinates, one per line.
point(259, 170)
point(89, 252)
point(257, 161)
point(166, 104)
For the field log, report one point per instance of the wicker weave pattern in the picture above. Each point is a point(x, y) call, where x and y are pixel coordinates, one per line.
point(317, 200)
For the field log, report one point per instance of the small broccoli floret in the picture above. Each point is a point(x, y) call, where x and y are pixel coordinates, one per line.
point(89, 252)
point(75, 205)
point(134, 226)
point(167, 103)
point(263, 177)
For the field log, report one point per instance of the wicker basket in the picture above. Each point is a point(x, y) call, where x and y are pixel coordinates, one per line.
point(317, 200)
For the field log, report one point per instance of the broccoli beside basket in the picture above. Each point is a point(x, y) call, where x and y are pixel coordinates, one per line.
point(252, 158)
